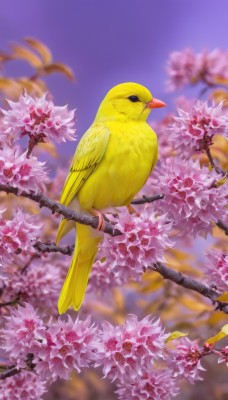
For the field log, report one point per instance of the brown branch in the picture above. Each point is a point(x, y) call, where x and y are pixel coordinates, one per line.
point(146, 199)
point(9, 372)
point(11, 302)
point(211, 160)
point(222, 226)
point(191, 284)
point(66, 212)
point(53, 248)
point(163, 270)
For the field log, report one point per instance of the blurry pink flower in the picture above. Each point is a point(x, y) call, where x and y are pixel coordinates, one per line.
point(155, 385)
point(39, 284)
point(125, 352)
point(193, 130)
point(223, 355)
point(183, 68)
point(24, 386)
point(186, 67)
point(185, 360)
point(191, 199)
point(19, 233)
point(22, 334)
point(214, 65)
point(23, 173)
point(128, 256)
point(68, 346)
point(162, 130)
point(38, 118)
point(216, 269)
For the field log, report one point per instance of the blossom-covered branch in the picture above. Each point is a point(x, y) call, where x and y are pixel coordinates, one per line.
point(159, 267)
point(56, 207)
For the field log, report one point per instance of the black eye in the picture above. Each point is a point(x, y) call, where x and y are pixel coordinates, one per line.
point(134, 99)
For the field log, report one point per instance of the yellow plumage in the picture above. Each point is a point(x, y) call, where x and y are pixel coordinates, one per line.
point(111, 164)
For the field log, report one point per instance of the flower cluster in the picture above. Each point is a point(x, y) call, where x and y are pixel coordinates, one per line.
point(17, 234)
point(26, 386)
point(38, 118)
point(193, 130)
point(192, 199)
point(128, 256)
point(216, 269)
point(185, 360)
point(158, 384)
point(186, 67)
point(127, 351)
point(21, 172)
point(38, 283)
point(54, 349)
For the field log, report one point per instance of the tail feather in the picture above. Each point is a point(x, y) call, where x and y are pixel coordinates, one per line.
point(64, 227)
point(74, 287)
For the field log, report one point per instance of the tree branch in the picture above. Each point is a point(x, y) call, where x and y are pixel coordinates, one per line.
point(53, 248)
point(191, 284)
point(163, 270)
point(146, 199)
point(211, 160)
point(9, 372)
point(66, 212)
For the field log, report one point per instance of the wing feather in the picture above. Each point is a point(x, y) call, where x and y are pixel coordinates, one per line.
point(88, 155)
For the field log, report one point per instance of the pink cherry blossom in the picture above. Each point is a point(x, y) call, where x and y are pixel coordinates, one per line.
point(154, 385)
point(39, 283)
point(22, 334)
point(128, 256)
point(55, 349)
point(165, 145)
point(23, 173)
point(183, 67)
point(68, 346)
point(18, 234)
point(186, 67)
point(216, 269)
point(185, 360)
point(214, 65)
point(38, 118)
point(192, 199)
point(23, 386)
point(125, 352)
point(194, 130)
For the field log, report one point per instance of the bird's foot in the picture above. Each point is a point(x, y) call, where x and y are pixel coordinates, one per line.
point(132, 210)
point(101, 220)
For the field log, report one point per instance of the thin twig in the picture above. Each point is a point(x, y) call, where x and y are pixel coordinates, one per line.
point(9, 372)
point(191, 284)
point(146, 199)
point(211, 160)
point(53, 248)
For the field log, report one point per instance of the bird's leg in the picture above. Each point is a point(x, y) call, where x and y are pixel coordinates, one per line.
point(132, 210)
point(101, 220)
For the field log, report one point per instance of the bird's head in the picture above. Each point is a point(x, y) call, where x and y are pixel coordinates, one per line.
point(127, 101)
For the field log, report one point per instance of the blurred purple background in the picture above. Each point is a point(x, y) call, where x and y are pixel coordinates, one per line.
point(107, 42)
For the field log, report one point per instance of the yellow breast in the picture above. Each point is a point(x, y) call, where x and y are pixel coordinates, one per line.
point(124, 169)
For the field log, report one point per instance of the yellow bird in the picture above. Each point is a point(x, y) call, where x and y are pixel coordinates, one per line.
point(111, 164)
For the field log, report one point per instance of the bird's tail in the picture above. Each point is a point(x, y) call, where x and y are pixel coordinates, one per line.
point(75, 284)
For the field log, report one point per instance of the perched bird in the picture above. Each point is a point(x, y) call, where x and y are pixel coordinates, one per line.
point(112, 162)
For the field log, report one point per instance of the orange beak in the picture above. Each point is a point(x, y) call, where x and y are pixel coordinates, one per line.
point(155, 103)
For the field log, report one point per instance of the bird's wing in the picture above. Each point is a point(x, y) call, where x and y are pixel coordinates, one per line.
point(88, 155)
